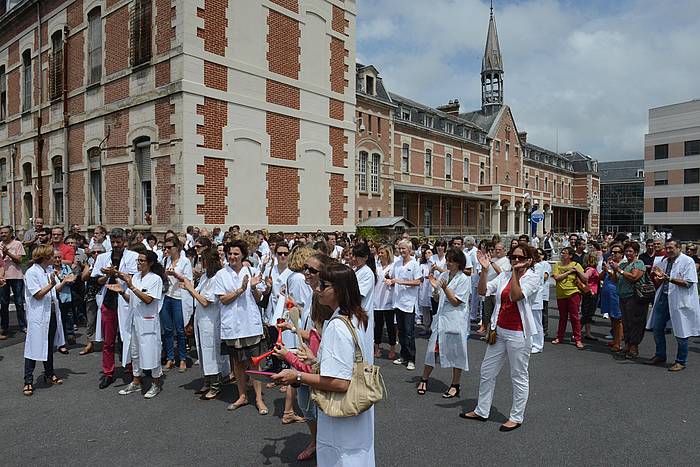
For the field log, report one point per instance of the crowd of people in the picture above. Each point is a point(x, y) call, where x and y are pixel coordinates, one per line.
point(235, 301)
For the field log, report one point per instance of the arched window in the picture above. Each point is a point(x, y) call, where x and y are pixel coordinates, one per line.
point(142, 159)
point(362, 172)
point(448, 167)
point(481, 178)
point(27, 80)
point(95, 45)
point(374, 173)
point(56, 66)
point(94, 156)
point(428, 163)
point(57, 189)
point(27, 174)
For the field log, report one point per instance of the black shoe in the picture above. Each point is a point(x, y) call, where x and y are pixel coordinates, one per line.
point(506, 429)
point(106, 381)
point(447, 394)
point(472, 417)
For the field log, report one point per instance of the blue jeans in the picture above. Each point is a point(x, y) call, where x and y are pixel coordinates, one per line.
point(171, 320)
point(17, 287)
point(661, 317)
point(406, 324)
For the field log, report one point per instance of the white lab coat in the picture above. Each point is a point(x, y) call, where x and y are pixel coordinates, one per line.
point(184, 267)
point(530, 284)
point(127, 265)
point(343, 441)
point(241, 317)
point(451, 325)
point(36, 343)
point(302, 294)
point(207, 330)
point(279, 280)
point(145, 320)
point(683, 305)
point(366, 282)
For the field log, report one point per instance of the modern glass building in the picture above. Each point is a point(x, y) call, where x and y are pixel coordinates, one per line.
point(621, 196)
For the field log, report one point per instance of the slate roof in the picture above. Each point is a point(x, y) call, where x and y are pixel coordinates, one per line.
point(381, 92)
point(621, 171)
point(492, 60)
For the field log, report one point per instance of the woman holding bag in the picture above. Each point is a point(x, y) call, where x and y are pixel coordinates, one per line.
point(341, 441)
point(450, 326)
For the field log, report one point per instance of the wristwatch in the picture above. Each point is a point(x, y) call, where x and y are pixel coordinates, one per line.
point(297, 383)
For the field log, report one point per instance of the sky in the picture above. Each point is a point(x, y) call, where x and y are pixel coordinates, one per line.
point(578, 74)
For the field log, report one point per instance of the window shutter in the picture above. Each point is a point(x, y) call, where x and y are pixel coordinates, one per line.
point(143, 160)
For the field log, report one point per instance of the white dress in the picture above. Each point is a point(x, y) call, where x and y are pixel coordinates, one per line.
point(145, 321)
point(451, 325)
point(343, 441)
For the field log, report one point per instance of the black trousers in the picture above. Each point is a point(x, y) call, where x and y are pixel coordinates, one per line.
point(29, 365)
point(380, 318)
point(407, 338)
point(634, 318)
point(545, 316)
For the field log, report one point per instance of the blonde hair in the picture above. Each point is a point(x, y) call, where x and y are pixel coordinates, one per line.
point(41, 253)
point(389, 251)
point(252, 242)
point(406, 243)
point(298, 257)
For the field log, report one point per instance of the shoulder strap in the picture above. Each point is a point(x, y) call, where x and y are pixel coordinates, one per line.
point(358, 351)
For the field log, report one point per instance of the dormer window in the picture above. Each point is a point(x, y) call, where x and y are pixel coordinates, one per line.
point(406, 114)
point(449, 127)
point(369, 85)
point(429, 121)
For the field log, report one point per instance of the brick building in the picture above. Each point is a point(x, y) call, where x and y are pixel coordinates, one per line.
point(672, 170)
point(208, 112)
point(452, 172)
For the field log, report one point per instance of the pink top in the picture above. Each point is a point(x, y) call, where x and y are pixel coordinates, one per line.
point(593, 279)
point(12, 269)
point(314, 344)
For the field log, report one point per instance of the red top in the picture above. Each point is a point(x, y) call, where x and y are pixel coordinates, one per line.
point(509, 316)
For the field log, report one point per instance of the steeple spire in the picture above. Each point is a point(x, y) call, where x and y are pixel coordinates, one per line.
point(492, 69)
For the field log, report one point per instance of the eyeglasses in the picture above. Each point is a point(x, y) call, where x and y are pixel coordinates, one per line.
point(140, 260)
point(323, 285)
point(310, 270)
point(282, 253)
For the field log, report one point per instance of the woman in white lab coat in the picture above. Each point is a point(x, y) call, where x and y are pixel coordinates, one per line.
point(365, 271)
point(44, 328)
point(514, 324)
point(451, 324)
point(143, 345)
point(341, 441)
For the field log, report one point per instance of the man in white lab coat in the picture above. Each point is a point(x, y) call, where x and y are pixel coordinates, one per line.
point(677, 299)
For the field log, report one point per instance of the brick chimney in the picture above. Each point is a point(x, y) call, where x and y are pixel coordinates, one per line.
point(451, 108)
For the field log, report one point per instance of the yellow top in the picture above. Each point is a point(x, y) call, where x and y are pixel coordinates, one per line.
point(567, 286)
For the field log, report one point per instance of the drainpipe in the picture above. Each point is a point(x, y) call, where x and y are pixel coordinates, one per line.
point(39, 138)
point(66, 119)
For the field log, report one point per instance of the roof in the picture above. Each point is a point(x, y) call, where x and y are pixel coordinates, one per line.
point(380, 91)
point(384, 222)
point(621, 171)
point(411, 103)
point(483, 120)
point(492, 60)
point(580, 161)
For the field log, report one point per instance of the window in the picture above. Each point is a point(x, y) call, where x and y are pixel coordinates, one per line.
point(448, 167)
point(27, 82)
point(537, 182)
point(660, 204)
point(691, 203)
point(374, 174)
point(3, 94)
point(405, 114)
point(362, 172)
point(640, 173)
point(546, 184)
point(507, 151)
point(57, 170)
point(404, 206)
point(3, 174)
point(429, 121)
point(691, 176)
point(56, 66)
point(481, 177)
point(448, 212)
point(692, 148)
point(405, 150)
point(449, 127)
point(57, 166)
point(141, 32)
point(661, 151)
point(142, 148)
point(661, 177)
point(369, 86)
point(95, 186)
point(369, 213)
point(58, 206)
point(27, 173)
point(527, 180)
point(497, 146)
point(94, 46)
point(465, 213)
point(466, 169)
point(428, 163)
point(428, 213)
point(359, 214)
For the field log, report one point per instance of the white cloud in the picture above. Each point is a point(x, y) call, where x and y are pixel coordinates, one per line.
point(587, 70)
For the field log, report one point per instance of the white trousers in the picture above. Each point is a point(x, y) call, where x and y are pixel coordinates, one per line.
point(538, 339)
point(514, 346)
point(135, 368)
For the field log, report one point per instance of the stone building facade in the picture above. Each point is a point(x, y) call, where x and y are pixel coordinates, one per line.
point(207, 112)
point(450, 172)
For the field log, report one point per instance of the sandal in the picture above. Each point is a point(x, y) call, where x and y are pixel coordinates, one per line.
point(88, 349)
point(28, 390)
point(237, 405)
point(307, 454)
point(263, 410)
point(556, 341)
point(63, 350)
point(169, 365)
point(55, 380)
point(291, 417)
point(212, 394)
point(579, 345)
point(448, 395)
point(422, 387)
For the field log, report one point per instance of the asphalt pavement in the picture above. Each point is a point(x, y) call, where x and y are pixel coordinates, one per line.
point(585, 408)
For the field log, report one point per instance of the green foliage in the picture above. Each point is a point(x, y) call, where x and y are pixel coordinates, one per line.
point(369, 233)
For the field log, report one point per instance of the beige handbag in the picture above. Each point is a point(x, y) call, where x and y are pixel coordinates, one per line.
point(366, 386)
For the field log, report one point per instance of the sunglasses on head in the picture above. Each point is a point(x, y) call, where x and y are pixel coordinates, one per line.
point(310, 270)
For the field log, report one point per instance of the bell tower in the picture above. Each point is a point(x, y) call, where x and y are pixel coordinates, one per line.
point(492, 71)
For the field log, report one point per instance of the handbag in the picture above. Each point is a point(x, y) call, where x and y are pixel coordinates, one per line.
point(644, 289)
point(491, 336)
point(366, 386)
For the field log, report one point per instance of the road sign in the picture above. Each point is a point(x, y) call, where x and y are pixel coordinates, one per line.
point(537, 217)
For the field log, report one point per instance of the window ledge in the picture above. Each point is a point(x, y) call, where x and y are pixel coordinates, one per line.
point(141, 66)
point(94, 85)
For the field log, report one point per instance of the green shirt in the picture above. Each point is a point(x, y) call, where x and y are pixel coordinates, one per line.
point(625, 288)
point(567, 286)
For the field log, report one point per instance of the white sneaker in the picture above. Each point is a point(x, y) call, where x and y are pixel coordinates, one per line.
point(153, 391)
point(399, 361)
point(411, 366)
point(130, 388)
point(606, 315)
point(609, 337)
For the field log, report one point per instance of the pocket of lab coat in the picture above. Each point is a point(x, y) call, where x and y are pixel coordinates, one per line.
point(149, 325)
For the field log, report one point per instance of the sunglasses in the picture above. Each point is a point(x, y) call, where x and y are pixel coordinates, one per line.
point(517, 258)
point(615, 251)
point(57, 257)
point(323, 285)
point(282, 253)
point(310, 270)
point(198, 246)
point(168, 246)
